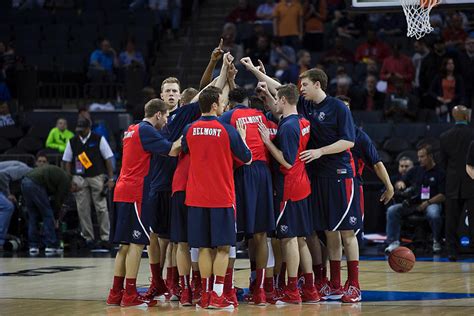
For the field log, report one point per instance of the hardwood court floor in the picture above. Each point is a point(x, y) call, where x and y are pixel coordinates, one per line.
point(78, 286)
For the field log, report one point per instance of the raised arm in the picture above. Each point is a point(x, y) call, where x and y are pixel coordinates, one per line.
point(271, 83)
point(215, 56)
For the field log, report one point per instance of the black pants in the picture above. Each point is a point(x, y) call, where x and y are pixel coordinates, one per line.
point(454, 209)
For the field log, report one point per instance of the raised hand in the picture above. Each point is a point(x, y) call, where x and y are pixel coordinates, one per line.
point(247, 62)
point(261, 67)
point(218, 51)
point(232, 72)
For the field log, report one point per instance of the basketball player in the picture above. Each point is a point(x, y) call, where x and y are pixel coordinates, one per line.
point(253, 190)
point(332, 176)
point(212, 143)
point(293, 190)
point(133, 220)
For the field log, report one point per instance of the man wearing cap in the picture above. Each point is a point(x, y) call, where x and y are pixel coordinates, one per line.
point(88, 158)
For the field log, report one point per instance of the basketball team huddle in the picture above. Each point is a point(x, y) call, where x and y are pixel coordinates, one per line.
point(200, 177)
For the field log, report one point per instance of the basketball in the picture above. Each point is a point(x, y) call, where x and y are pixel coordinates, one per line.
point(401, 260)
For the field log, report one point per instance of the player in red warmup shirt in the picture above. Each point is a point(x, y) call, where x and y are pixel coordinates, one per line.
point(133, 220)
point(293, 189)
point(212, 147)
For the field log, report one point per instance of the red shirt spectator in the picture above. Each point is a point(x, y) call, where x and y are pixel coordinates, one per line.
point(397, 66)
point(454, 34)
point(372, 49)
point(243, 13)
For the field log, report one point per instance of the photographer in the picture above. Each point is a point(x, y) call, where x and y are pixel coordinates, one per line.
point(88, 158)
point(421, 190)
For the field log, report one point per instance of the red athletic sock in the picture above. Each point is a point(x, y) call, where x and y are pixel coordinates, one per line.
point(229, 279)
point(211, 283)
point(118, 283)
point(308, 280)
point(184, 281)
point(131, 286)
point(169, 277)
point(260, 277)
point(205, 284)
point(318, 272)
point(292, 282)
point(155, 272)
point(268, 285)
point(175, 275)
point(353, 272)
point(335, 273)
point(197, 278)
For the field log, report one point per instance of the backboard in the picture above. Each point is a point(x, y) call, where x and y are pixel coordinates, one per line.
point(393, 5)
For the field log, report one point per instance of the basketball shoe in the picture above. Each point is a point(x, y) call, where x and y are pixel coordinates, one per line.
point(352, 293)
point(219, 302)
point(289, 297)
point(114, 298)
point(136, 300)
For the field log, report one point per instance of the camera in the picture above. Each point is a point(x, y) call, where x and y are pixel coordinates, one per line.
point(407, 197)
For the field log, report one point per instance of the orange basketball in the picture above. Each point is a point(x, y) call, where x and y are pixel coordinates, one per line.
point(401, 259)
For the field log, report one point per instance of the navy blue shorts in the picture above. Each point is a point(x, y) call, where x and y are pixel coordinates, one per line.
point(211, 227)
point(131, 224)
point(294, 219)
point(254, 198)
point(334, 204)
point(160, 219)
point(179, 218)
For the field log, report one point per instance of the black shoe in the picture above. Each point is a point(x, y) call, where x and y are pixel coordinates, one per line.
point(452, 257)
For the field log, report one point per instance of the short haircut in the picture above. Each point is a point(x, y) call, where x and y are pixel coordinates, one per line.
point(170, 80)
point(41, 153)
point(61, 118)
point(290, 92)
point(238, 95)
point(256, 103)
point(209, 96)
point(302, 52)
point(187, 95)
point(154, 106)
point(427, 147)
point(315, 75)
point(405, 158)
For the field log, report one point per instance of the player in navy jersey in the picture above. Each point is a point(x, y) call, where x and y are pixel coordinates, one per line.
point(211, 216)
point(293, 189)
point(332, 176)
point(253, 190)
point(133, 220)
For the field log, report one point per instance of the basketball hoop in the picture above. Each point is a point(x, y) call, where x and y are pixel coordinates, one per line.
point(417, 13)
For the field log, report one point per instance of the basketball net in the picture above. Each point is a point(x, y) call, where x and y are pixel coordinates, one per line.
point(417, 13)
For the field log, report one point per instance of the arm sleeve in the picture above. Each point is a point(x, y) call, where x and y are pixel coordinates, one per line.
point(50, 141)
point(105, 150)
point(226, 117)
point(345, 124)
point(152, 141)
point(470, 155)
point(67, 156)
point(184, 116)
point(369, 152)
point(237, 145)
point(289, 140)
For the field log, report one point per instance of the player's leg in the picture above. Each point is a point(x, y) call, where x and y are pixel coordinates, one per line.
point(115, 293)
point(183, 259)
point(279, 270)
point(261, 258)
point(172, 272)
point(269, 283)
point(334, 246)
point(229, 290)
point(196, 280)
point(157, 287)
point(290, 251)
point(309, 294)
point(205, 268)
point(351, 248)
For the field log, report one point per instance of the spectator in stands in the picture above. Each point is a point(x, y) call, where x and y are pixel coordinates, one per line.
point(292, 74)
point(5, 116)
point(59, 136)
point(288, 22)
point(427, 184)
point(265, 12)
point(421, 51)
point(455, 35)
point(242, 13)
point(400, 106)
point(280, 51)
point(37, 186)
point(88, 158)
point(466, 64)
point(430, 64)
point(372, 49)
point(10, 171)
point(396, 67)
point(447, 89)
point(338, 54)
point(187, 95)
point(454, 145)
point(350, 25)
point(362, 70)
point(41, 159)
point(229, 34)
point(131, 57)
point(250, 43)
point(165, 10)
point(390, 24)
point(404, 165)
point(102, 63)
point(315, 14)
point(342, 86)
point(369, 98)
point(261, 50)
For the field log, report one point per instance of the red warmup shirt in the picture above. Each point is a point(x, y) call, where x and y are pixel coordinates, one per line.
point(401, 65)
point(180, 177)
point(251, 118)
point(212, 147)
point(140, 141)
